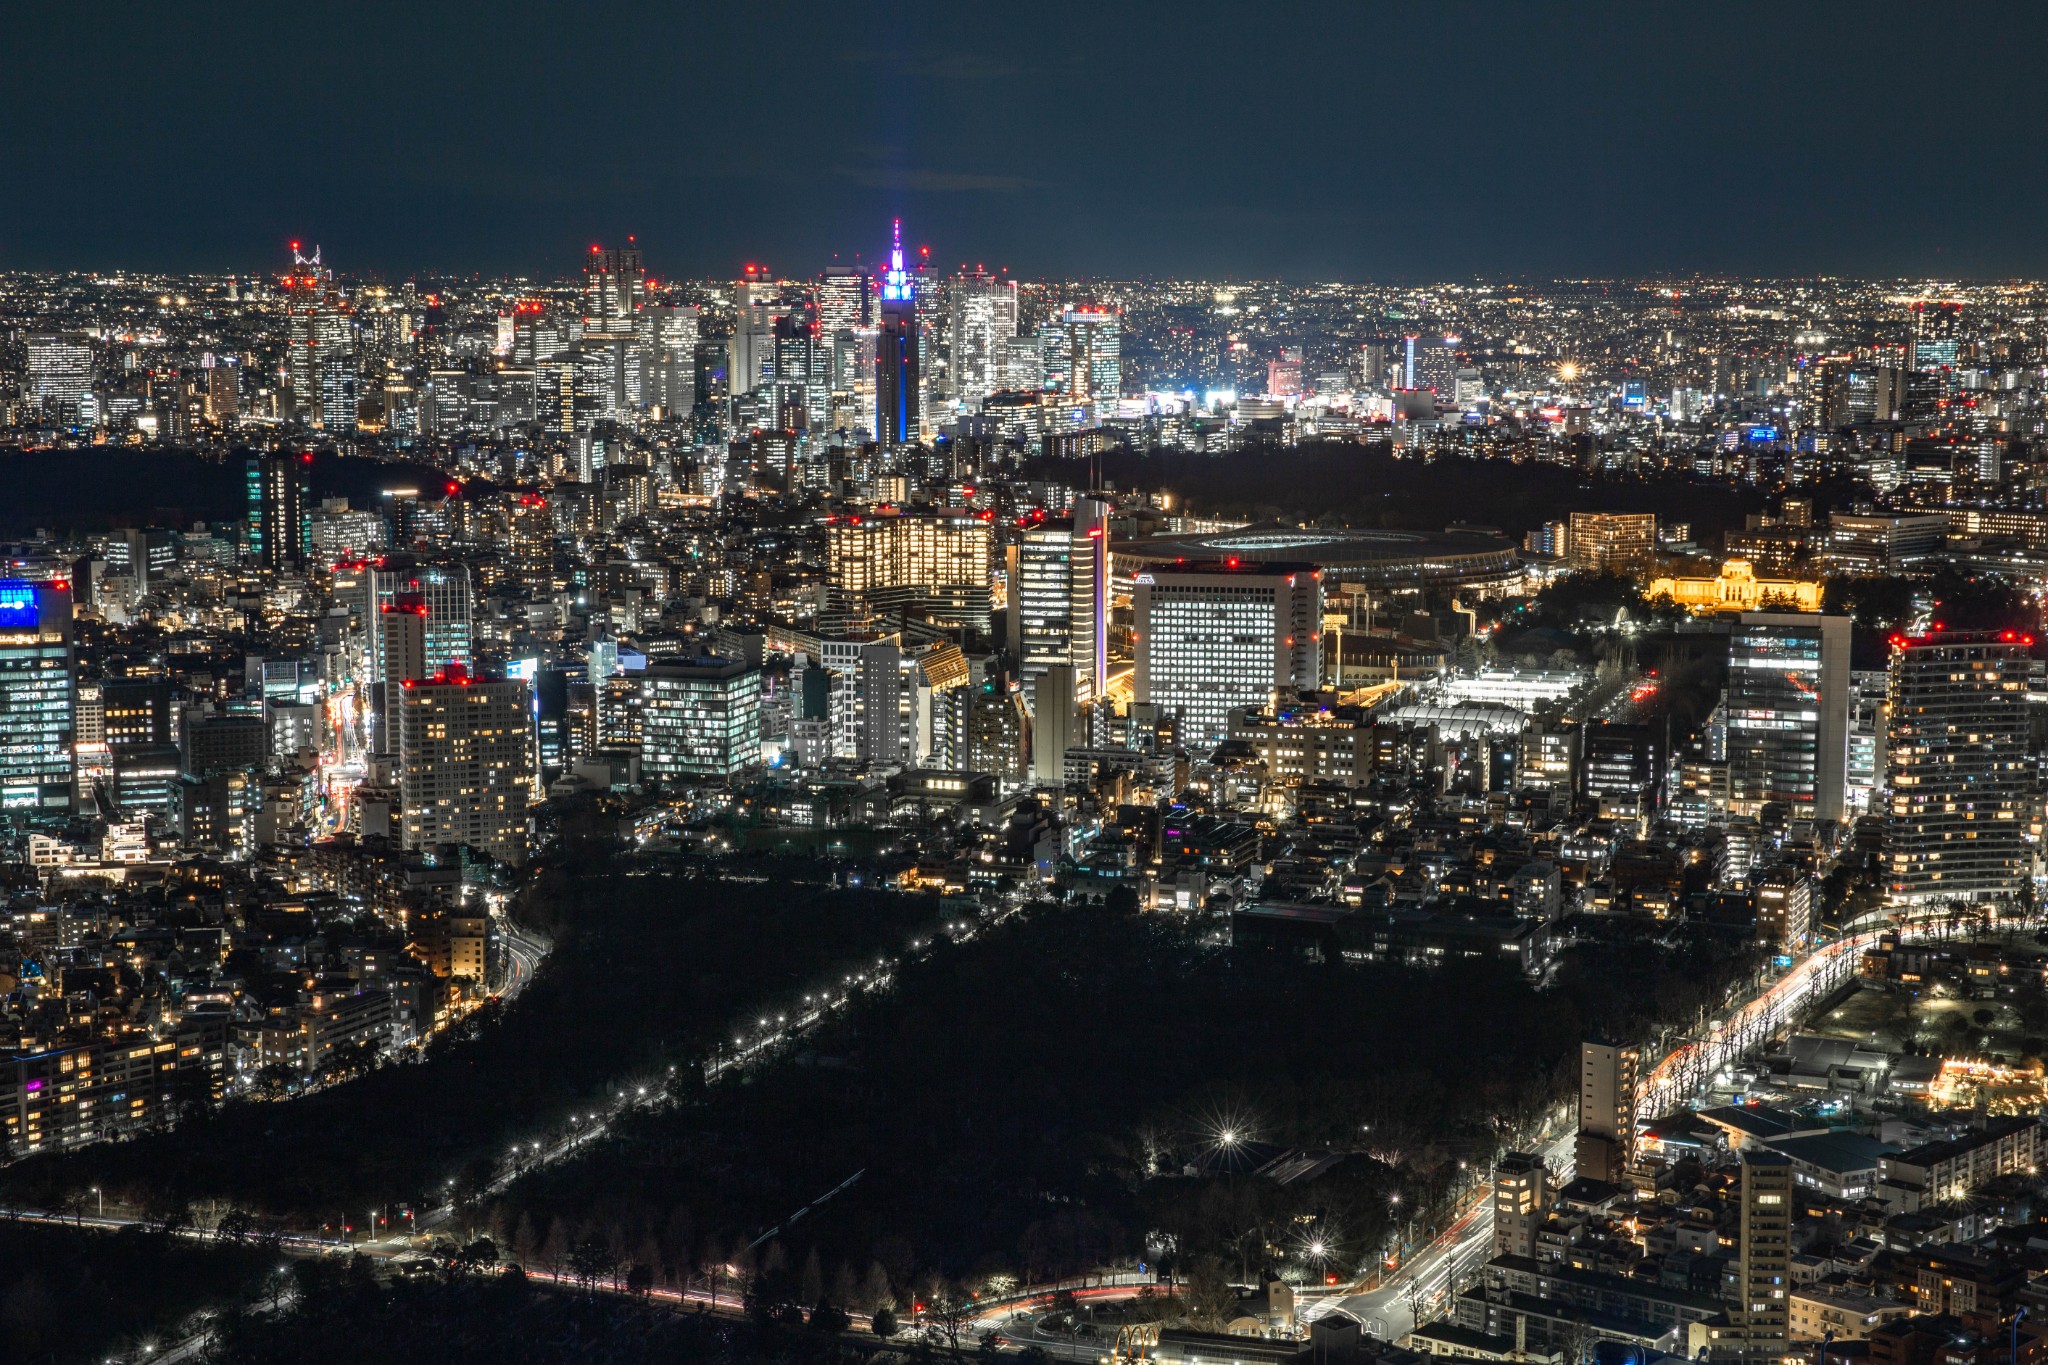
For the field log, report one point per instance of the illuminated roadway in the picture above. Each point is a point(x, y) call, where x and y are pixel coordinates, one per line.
point(1432, 1274)
point(1692, 1064)
point(522, 958)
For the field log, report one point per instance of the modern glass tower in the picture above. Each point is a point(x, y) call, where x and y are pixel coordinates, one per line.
point(1788, 714)
point(36, 695)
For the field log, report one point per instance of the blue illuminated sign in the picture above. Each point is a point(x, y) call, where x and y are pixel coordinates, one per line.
point(1761, 434)
point(18, 605)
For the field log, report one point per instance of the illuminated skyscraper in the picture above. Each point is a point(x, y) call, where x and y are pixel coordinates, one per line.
point(981, 324)
point(320, 362)
point(1937, 335)
point(1788, 714)
point(435, 602)
point(699, 718)
point(1059, 601)
point(466, 766)
point(755, 303)
point(1092, 368)
point(896, 353)
point(668, 350)
point(279, 510)
point(1217, 638)
point(803, 363)
point(1956, 760)
point(1432, 364)
point(844, 298)
point(59, 375)
point(36, 695)
point(614, 286)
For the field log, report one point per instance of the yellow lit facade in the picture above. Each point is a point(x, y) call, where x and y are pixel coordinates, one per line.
point(864, 553)
point(1737, 588)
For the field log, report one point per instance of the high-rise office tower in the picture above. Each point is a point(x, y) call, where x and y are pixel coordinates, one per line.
point(1431, 363)
point(751, 351)
point(1369, 370)
point(1788, 714)
point(445, 590)
point(437, 604)
point(1521, 1202)
point(897, 416)
point(465, 762)
point(1024, 364)
point(1055, 357)
point(59, 375)
point(844, 301)
point(698, 718)
point(1040, 619)
point(981, 324)
point(398, 652)
point(1217, 638)
point(668, 350)
point(1956, 768)
point(1059, 599)
point(1937, 335)
point(1872, 393)
point(894, 702)
point(530, 542)
point(320, 362)
point(1090, 366)
point(1088, 600)
point(999, 731)
point(614, 287)
point(1764, 1261)
point(1609, 1074)
point(536, 334)
point(607, 378)
point(37, 689)
point(1056, 724)
point(280, 511)
point(803, 365)
point(216, 391)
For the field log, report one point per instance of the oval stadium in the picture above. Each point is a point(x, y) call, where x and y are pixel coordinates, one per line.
point(1395, 560)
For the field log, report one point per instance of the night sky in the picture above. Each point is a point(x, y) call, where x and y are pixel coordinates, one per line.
point(1342, 139)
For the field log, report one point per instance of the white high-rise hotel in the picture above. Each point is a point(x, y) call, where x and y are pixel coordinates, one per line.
point(1216, 638)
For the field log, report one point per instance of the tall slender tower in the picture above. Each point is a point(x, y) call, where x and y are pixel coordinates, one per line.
point(1765, 1259)
point(896, 367)
point(614, 288)
point(1608, 1081)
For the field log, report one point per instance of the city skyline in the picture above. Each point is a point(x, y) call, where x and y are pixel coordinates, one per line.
point(1117, 685)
